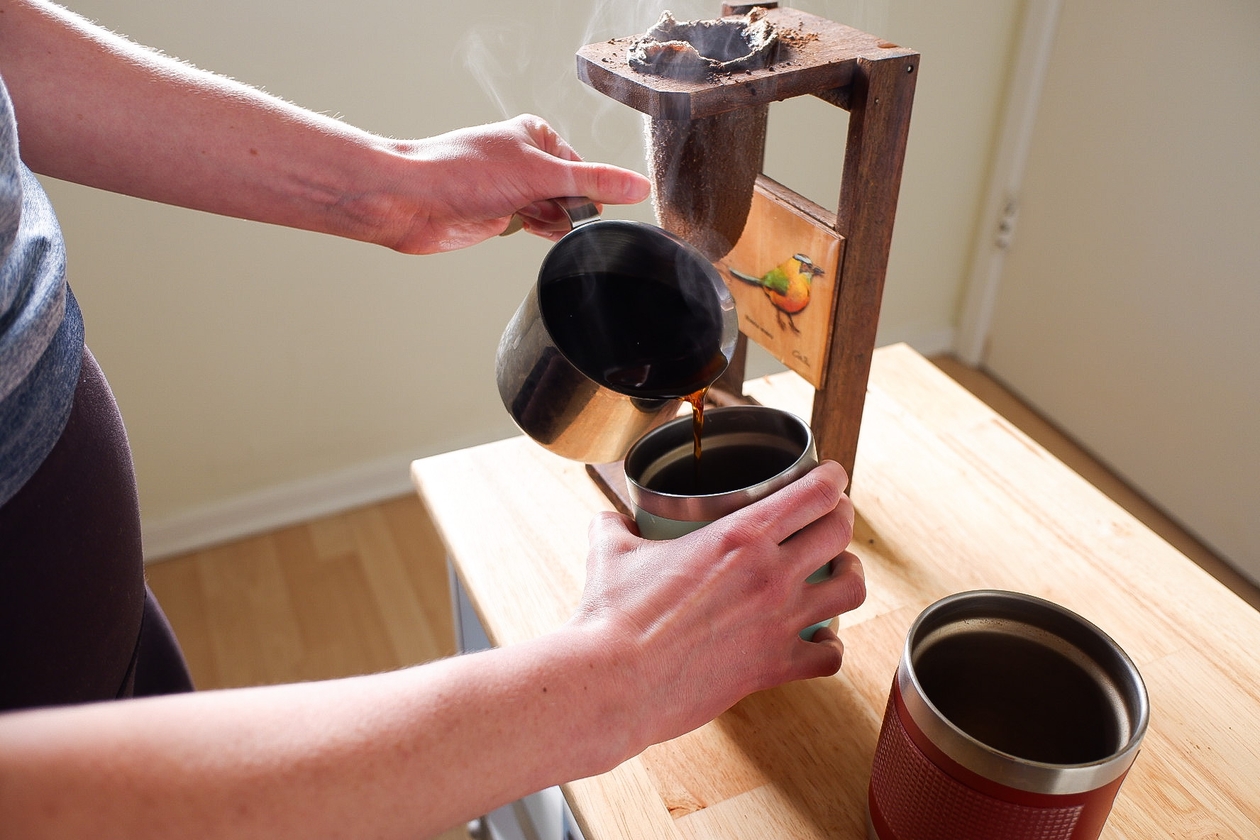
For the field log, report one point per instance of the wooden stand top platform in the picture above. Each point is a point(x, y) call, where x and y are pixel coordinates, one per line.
point(815, 55)
point(950, 497)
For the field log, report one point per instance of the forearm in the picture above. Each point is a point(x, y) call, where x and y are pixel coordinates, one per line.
point(669, 634)
point(96, 109)
point(403, 754)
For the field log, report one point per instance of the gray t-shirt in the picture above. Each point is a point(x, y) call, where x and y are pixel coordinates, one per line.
point(41, 329)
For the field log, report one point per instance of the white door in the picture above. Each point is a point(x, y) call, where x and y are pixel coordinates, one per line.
point(1129, 306)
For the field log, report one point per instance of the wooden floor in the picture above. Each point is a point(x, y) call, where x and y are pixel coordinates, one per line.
point(367, 590)
point(354, 593)
point(357, 592)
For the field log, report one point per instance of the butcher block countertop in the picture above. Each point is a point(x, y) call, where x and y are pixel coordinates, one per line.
point(949, 497)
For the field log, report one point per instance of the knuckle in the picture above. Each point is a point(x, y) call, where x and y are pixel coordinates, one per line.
point(737, 537)
point(531, 122)
point(844, 530)
point(856, 592)
point(604, 531)
point(851, 592)
point(821, 492)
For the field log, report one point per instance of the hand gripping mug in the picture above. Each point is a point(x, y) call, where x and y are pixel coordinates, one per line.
point(749, 452)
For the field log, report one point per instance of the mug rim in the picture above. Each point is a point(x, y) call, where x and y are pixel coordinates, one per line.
point(994, 764)
point(706, 507)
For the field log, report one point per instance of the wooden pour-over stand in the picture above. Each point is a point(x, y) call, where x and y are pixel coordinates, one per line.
point(718, 125)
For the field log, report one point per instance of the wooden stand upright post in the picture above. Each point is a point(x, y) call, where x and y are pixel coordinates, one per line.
point(879, 100)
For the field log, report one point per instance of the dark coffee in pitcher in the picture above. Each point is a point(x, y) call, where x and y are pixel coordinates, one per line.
point(640, 336)
point(624, 320)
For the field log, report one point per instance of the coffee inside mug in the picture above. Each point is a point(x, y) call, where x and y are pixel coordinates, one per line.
point(726, 466)
point(1009, 676)
point(1023, 692)
point(749, 452)
point(634, 310)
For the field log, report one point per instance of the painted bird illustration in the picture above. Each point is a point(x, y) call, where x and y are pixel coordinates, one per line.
point(787, 285)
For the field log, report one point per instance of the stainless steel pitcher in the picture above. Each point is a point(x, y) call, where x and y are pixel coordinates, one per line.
point(624, 320)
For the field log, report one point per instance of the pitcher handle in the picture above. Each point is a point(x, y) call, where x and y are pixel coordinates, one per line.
point(578, 208)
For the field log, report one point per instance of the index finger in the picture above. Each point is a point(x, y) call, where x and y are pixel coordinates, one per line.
point(783, 513)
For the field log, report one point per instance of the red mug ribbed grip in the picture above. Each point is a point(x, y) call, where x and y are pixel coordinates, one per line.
point(913, 799)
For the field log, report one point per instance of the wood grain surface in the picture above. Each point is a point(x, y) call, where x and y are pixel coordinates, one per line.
point(952, 498)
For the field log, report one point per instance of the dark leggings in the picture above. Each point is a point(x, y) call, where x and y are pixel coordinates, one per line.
point(77, 622)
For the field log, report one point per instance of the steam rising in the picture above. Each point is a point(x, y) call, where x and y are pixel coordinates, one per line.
point(522, 57)
point(523, 61)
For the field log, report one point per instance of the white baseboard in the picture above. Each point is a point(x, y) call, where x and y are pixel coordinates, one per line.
point(277, 507)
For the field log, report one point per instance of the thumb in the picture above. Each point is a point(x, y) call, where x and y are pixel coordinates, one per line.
point(604, 183)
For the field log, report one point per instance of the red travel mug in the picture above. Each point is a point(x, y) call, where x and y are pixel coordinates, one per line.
point(1010, 718)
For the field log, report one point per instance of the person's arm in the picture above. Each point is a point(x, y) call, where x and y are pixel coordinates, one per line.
point(668, 635)
point(97, 109)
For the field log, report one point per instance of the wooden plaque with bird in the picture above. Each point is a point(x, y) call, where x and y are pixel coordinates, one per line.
point(782, 274)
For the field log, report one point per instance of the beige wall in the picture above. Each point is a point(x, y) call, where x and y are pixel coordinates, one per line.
point(1127, 311)
point(265, 372)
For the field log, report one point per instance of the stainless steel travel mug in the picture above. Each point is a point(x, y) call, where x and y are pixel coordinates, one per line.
point(749, 452)
point(1010, 718)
